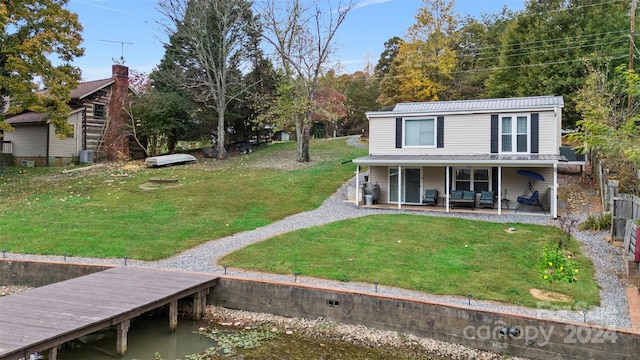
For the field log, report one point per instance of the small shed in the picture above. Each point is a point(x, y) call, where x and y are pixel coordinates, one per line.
point(282, 136)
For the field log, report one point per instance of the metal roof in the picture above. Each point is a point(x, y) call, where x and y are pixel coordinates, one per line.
point(472, 159)
point(471, 106)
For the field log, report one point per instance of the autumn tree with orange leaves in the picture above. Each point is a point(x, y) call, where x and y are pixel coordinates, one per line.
point(34, 32)
point(426, 59)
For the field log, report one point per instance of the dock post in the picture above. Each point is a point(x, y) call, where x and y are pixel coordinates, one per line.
point(199, 304)
point(123, 329)
point(53, 353)
point(173, 315)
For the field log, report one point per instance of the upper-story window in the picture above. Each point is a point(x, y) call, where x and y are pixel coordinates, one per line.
point(99, 111)
point(514, 134)
point(420, 132)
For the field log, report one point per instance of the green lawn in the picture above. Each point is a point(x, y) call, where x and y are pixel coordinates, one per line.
point(105, 213)
point(101, 215)
point(431, 254)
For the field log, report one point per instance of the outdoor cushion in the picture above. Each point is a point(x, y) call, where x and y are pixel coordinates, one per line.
point(468, 195)
point(486, 199)
point(430, 197)
point(456, 194)
point(529, 200)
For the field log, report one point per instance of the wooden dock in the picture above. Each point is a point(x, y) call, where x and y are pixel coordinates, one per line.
point(41, 319)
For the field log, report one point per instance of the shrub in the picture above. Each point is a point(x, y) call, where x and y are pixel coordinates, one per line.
point(597, 222)
point(555, 265)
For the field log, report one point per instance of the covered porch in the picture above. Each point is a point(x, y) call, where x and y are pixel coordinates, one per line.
point(404, 179)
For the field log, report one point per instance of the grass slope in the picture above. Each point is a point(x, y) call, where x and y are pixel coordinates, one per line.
point(105, 214)
point(430, 254)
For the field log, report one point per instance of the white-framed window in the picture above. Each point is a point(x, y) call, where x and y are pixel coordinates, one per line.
point(514, 134)
point(419, 132)
point(473, 179)
point(99, 111)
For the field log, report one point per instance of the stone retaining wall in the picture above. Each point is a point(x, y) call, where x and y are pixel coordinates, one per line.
point(464, 325)
point(38, 273)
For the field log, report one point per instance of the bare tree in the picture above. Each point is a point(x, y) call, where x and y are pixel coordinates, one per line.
point(209, 40)
point(301, 36)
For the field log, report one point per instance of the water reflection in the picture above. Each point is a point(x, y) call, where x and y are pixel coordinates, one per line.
point(147, 335)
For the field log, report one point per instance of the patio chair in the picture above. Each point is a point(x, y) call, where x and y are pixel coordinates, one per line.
point(430, 197)
point(533, 200)
point(487, 199)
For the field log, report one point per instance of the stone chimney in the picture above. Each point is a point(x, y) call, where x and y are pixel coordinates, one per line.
point(116, 138)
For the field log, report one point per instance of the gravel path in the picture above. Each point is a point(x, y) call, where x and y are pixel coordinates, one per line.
point(607, 259)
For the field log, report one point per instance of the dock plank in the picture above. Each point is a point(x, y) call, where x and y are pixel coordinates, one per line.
point(44, 317)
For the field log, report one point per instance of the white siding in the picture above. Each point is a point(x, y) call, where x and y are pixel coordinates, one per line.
point(69, 147)
point(516, 185)
point(380, 175)
point(434, 178)
point(28, 140)
point(463, 134)
point(382, 136)
point(548, 134)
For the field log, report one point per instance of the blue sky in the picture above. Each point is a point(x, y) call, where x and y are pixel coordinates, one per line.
point(361, 36)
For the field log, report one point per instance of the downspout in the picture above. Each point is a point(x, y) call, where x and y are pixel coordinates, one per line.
point(554, 209)
point(399, 187)
point(47, 147)
point(357, 185)
point(447, 188)
point(499, 190)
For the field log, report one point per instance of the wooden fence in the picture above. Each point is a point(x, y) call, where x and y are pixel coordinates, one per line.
point(625, 215)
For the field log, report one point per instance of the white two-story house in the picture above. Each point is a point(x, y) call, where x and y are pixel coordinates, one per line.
point(473, 145)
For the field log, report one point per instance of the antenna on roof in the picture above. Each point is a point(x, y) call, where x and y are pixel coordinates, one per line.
point(121, 61)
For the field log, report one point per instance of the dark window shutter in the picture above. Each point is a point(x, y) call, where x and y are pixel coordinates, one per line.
point(440, 136)
point(398, 133)
point(494, 134)
point(535, 133)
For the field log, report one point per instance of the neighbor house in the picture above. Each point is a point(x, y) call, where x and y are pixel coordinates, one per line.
point(506, 146)
point(96, 118)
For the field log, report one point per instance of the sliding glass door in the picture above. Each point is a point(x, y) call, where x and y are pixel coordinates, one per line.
point(411, 182)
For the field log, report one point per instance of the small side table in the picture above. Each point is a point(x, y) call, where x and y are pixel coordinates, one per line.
point(506, 202)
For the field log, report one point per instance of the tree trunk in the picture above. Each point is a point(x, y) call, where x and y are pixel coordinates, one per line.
point(302, 140)
point(222, 154)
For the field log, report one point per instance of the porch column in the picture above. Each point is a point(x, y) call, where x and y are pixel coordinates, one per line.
point(399, 187)
point(447, 187)
point(357, 185)
point(554, 200)
point(499, 190)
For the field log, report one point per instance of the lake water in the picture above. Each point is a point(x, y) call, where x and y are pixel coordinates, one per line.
point(147, 335)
